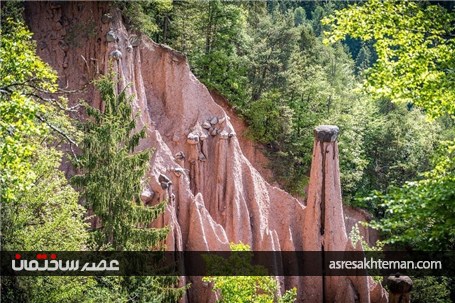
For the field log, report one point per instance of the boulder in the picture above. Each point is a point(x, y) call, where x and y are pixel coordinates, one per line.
point(134, 40)
point(192, 138)
point(326, 133)
point(202, 157)
point(116, 54)
point(106, 18)
point(203, 136)
point(224, 135)
point(206, 125)
point(214, 121)
point(179, 156)
point(111, 36)
point(147, 195)
point(178, 171)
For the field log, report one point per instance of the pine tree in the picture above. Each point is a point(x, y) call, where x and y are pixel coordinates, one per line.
point(111, 180)
point(363, 59)
point(111, 174)
point(299, 16)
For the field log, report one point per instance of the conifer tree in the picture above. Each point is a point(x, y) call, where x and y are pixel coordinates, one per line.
point(363, 59)
point(111, 180)
point(111, 174)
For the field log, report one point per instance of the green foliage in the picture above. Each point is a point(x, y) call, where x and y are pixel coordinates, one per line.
point(270, 51)
point(431, 289)
point(111, 176)
point(364, 59)
point(134, 289)
point(144, 16)
point(270, 121)
point(39, 210)
point(45, 289)
point(12, 10)
point(398, 141)
point(299, 16)
point(245, 289)
point(214, 42)
point(186, 30)
point(111, 179)
point(421, 213)
point(50, 217)
point(45, 216)
point(22, 76)
point(415, 50)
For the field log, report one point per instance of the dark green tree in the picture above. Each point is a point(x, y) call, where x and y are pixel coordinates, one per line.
point(111, 177)
point(148, 17)
point(299, 16)
point(212, 35)
point(112, 172)
point(186, 27)
point(422, 213)
point(364, 59)
point(220, 65)
point(272, 42)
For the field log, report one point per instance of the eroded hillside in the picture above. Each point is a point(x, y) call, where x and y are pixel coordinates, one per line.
point(215, 194)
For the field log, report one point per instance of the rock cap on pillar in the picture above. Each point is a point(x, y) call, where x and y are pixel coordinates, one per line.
point(399, 286)
point(326, 133)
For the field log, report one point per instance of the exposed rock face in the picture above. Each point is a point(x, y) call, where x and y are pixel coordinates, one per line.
point(251, 150)
point(215, 196)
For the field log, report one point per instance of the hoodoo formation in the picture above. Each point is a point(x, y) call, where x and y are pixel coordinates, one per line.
point(324, 212)
point(215, 196)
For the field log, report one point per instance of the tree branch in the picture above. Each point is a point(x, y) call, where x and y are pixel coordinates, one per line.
point(53, 127)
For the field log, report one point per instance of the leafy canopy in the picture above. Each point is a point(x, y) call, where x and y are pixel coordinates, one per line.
point(414, 45)
point(422, 213)
point(244, 289)
point(23, 75)
point(39, 210)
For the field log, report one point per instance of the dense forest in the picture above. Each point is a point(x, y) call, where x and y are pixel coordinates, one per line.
point(383, 71)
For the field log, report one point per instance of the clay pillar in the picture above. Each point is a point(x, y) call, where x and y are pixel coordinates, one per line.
point(324, 220)
point(324, 226)
point(332, 229)
point(399, 288)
